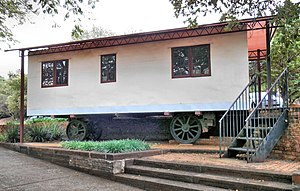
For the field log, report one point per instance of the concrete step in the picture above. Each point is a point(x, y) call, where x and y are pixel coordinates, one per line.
point(218, 170)
point(250, 138)
point(241, 149)
point(260, 128)
point(156, 184)
point(206, 179)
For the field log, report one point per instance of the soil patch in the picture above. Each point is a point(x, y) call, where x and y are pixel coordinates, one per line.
point(279, 166)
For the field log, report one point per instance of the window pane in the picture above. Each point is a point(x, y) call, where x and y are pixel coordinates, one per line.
point(180, 62)
point(62, 72)
point(108, 68)
point(47, 74)
point(201, 63)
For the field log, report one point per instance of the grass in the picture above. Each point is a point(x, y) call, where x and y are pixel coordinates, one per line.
point(113, 146)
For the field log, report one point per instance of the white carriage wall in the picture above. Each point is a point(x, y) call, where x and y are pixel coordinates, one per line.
point(143, 79)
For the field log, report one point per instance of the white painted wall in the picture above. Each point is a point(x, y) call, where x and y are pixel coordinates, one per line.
point(144, 79)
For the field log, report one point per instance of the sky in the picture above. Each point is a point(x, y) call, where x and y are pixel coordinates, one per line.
point(117, 16)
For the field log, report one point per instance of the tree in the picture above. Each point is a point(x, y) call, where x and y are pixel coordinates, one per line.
point(20, 10)
point(3, 97)
point(229, 9)
point(10, 95)
point(285, 50)
point(95, 32)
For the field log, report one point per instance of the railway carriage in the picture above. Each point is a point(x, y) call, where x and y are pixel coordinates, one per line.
point(178, 81)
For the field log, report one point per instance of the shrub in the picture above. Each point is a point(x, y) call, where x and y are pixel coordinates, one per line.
point(34, 132)
point(55, 132)
point(3, 137)
point(45, 131)
point(45, 119)
point(38, 133)
point(113, 146)
point(12, 134)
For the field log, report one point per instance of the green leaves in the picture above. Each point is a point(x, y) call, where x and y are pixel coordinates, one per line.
point(230, 9)
point(285, 47)
point(34, 132)
point(10, 95)
point(77, 32)
point(19, 10)
point(113, 146)
point(95, 32)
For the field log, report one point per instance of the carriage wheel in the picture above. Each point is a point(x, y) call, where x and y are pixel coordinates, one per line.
point(95, 133)
point(185, 128)
point(77, 130)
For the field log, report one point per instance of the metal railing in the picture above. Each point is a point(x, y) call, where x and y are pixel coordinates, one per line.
point(250, 109)
point(266, 113)
point(234, 118)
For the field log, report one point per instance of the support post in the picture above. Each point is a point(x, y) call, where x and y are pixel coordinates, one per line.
point(269, 78)
point(22, 98)
point(259, 76)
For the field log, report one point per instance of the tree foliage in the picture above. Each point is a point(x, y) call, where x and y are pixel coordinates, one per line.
point(19, 10)
point(95, 32)
point(285, 49)
point(229, 9)
point(3, 97)
point(10, 95)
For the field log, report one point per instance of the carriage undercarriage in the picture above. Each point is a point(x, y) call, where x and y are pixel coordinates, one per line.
point(185, 127)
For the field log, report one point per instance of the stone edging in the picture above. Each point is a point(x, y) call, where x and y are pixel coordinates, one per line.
point(103, 164)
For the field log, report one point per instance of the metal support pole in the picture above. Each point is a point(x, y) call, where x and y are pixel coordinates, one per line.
point(22, 99)
point(268, 43)
point(259, 75)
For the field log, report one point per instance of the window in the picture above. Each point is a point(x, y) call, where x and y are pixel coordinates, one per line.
point(108, 68)
point(191, 61)
point(55, 73)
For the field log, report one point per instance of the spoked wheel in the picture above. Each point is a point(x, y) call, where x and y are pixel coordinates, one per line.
point(95, 133)
point(185, 128)
point(77, 130)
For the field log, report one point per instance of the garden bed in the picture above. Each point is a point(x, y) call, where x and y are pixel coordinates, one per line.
point(104, 164)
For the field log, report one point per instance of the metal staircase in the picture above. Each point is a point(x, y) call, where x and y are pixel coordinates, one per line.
point(254, 123)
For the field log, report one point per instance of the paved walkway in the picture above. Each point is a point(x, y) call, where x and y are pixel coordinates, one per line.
point(20, 172)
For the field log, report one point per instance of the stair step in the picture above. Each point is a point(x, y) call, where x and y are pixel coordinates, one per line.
point(151, 183)
point(259, 128)
point(226, 182)
point(241, 149)
point(218, 170)
point(251, 138)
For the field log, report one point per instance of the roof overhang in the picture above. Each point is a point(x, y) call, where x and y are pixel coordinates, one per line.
point(179, 33)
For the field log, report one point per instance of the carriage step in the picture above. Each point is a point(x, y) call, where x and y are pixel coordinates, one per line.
point(204, 181)
point(151, 183)
point(259, 128)
point(251, 138)
point(240, 149)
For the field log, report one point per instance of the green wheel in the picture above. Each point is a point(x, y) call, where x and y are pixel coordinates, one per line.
point(185, 128)
point(77, 130)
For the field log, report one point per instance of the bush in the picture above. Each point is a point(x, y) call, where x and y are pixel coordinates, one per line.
point(12, 134)
point(38, 133)
point(114, 146)
point(45, 119)
point(3, 137)
point(35, 132)
point(46, 131)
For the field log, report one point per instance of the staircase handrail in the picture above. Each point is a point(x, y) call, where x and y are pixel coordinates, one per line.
point(240, 100)
point(267, 94)
point(236, 99)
